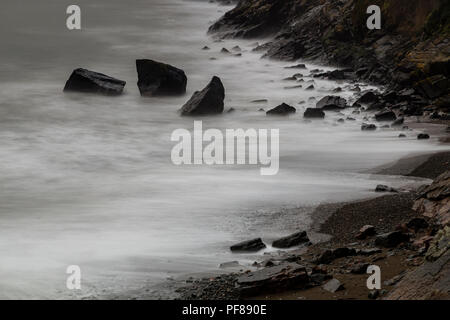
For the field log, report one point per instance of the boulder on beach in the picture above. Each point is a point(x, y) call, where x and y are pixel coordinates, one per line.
point(208, 101)
point(314, 113)
point(331, 103)
point(249, 246)
point(282, 109)
point(291, 241)
point(159, 79)
point(83, 80)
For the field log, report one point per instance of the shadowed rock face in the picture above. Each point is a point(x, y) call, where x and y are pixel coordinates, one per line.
point(410, 51)
point(159, 79)
point(206, 102)
point(435, 200)
point(83, 80)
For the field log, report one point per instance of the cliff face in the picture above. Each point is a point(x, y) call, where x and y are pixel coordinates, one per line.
point(412, 46)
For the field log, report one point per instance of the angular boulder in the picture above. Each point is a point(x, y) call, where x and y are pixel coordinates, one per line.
point(209, 101)
point(282, 109)
point(249, 246)
point(331, 103)
point(314, 113)
point(291, 241)
point(83, 80)
point(159, 79)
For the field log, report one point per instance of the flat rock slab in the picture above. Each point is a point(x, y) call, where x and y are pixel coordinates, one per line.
point(83, 80)
point(333, 286)
point(249, 246)
point(280, 277)
point(292, 240)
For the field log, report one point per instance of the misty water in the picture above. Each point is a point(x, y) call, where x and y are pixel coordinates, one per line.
point(88, 180)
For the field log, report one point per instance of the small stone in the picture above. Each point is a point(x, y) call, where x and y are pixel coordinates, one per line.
point(423, 136)
point(333, 286)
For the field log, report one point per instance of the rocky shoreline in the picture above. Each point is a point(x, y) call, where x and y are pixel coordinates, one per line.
point(393, 231)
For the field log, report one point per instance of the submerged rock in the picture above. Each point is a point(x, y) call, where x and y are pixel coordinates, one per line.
point(314, 113)
point(423, 136)
point(282, 109)
point(368, 127)
point(156, 78)
point(83, 80)
point(250, 245)
point(383, 188)
point(292, 240)
point(208, 101)
point(298, 66)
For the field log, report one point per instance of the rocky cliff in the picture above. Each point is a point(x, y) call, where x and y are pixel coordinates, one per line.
point(411, 50)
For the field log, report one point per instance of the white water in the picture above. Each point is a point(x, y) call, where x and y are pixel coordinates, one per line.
point(88, 180)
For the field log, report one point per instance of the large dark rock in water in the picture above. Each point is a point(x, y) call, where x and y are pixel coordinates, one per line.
point(331, 103)
point(291, 241)
point(314, 113)
point(83, 80)
point(207, 101)
point(282, 109)
point(156, 78)
point(250, 246)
